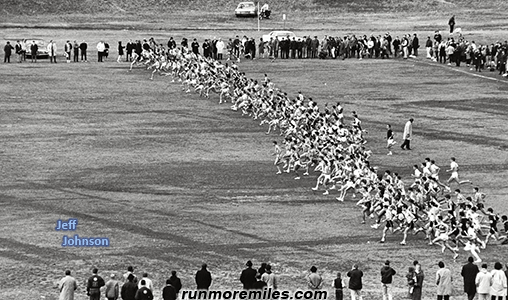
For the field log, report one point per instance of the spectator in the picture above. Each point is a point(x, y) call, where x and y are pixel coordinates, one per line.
point(129, 289)
point(67, 51)
point(93, 287)
point(130, 271)
point(262, 269)
point(248, 276)
point(314, 280)
point(469, 272)
point(52, 51)
point(83, 47)
point(338, 284)
point(411, 281)
point(67, 286)
point(120, 52)
point(443, 282)
point(355, 282)
point(129, 48)
point(19, 51)
point(112, 288)
point(269, 278)
point(408, 135)
point(144, 293)
point(498, 284)
point(33, 51)
point(203, 278)
point(175, 282)
point(482, 282)
point(8, 52)
point(148, 282)
point(451, 23)
point(387, 273)
point(169, 291)
point(100, 51)
point(417, 291)
point(75, 47)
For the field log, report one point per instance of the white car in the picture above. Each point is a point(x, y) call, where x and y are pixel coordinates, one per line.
point(246, 9)
point(281, 35)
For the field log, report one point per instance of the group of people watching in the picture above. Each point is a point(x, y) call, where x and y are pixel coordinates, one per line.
point(452, 50)
point(477, 281)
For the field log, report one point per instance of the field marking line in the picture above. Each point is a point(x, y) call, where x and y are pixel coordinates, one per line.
point(460, 71)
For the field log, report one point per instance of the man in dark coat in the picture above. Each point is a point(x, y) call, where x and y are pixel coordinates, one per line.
point(469, 272)
point(293, 45)
point(175, 282)
point(415, 45)
point(129, 289)
point(206, 48)
point(314, 47)
point(83, 46)
point(451, 22)
point(8, 52)
point(33, 51)
point(195, 47)
point(169, 292)
point(203, 278)
point(248, 276)
point(308, 47)
point(387, 273)
point(355, 282)
point(128, 49)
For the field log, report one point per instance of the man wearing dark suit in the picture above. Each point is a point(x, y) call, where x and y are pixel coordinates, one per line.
point(206, 48)
point(33, 51)
point(169, 292)
point(288, 46)
point(195, 47)
point(8, 52)
point(314, 47)
point(294, 46)
point(308, 44)
point(276, 46)
point(451, 22)
point(248, 276)
point(203, 278)
point(469, 272)
point(83, 47)
point(175, 282)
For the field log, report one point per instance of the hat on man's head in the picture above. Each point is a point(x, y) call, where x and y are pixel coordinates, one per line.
point(249, 263)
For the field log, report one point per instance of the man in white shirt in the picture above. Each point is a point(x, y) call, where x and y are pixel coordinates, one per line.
point(101, 47)
point(148, 282)
point(408, 135)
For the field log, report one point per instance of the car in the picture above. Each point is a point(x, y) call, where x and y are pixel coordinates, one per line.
point(246, 9)
point(281, 35)
point(42, 51)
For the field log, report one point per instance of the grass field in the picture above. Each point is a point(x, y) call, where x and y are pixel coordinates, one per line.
point(174, 180)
